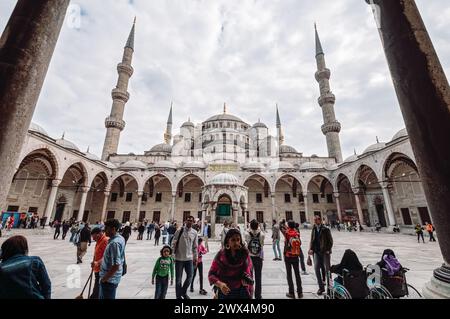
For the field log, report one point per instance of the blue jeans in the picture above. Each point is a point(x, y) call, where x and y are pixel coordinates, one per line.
point(107, 290)
point(162, 283)
point(276, 246)
point(181, 266)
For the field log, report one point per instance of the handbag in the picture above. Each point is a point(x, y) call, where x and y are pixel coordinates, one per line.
point(309, 261)
point(89, 281)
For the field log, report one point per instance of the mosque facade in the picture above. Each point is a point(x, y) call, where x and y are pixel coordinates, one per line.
point(224, 168)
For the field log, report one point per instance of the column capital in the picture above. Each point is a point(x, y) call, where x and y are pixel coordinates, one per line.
point(107, 193)
point(356, 190)
point(140, 193)
point(85, 189)
point(384, 185)
point(336, 195)
point(56, 182)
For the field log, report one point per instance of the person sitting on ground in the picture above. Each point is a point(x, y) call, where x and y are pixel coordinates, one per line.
point(21, 276)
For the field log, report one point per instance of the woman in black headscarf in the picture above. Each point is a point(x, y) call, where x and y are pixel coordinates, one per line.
point(349, 262)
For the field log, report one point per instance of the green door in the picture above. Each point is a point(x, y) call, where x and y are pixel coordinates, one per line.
point(224, 210)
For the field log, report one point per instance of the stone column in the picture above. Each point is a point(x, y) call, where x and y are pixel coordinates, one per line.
point(308, 217)
point(84, 194)
point(235, 215)
point(388, 203)
point(213, 220)
point(172, 207)
point(203, 221)
point(140, 194)
point(274, 211)
point(423, 92)
point(26, 48)
point(104, 207)
point(358, 207)
point(51, 200)
point(338, 205)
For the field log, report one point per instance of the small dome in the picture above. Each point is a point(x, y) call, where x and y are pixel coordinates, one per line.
point(351, 159)
point(37, 129)
point(91, 156)
point(400, 134)
point(188, 124)
point(260, 125)
point(287, 149)
point(374, 147)
point(162, 148)
point(281, 165)
point(253, 165)
point(133, 164)
point(109, 165)
point(194, 165)
point(224, 179)
point(67, 144)
point(311, 165)
point(164, 165)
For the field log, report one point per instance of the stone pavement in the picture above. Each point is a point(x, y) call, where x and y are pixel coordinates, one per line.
point(60, 259)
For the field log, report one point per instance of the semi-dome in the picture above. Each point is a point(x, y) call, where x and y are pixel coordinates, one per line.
point(224, 179)
point(400, 134)
point(37, 129)
point(287, 149)
point(311, 165)
point(194, 165)
point(374, 148)
point(67, 144)
point(133, 164)
point(162, 148)
point(164, 165)
point(351, 159)
point(224, 117)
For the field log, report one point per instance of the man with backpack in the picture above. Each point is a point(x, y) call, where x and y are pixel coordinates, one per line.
point(292, 248)
point(255, 243)
point(430, 229)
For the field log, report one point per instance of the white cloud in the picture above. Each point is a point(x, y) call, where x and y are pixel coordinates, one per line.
point(251, 54)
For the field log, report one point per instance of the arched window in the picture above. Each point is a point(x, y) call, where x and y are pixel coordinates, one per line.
point(21, 180)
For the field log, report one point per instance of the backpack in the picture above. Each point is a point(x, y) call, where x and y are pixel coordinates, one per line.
point(254, 245)
point(293, 246)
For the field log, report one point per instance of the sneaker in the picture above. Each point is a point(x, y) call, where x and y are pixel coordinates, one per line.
point(275, 259)
point(300, 295)
point(320, 292)
point(291, 296)
point(191, 290)
point(186, 297)
point(203, 292)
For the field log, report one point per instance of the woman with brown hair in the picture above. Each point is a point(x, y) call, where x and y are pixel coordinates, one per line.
point(231, 270)
point(22, 276)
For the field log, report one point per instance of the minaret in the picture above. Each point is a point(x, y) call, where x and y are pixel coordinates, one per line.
point(114, 123)
point(280, 135)
point(331, 127)
point(168, 133)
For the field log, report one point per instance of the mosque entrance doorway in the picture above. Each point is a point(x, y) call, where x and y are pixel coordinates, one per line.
point(380, 213)
point(223, 210)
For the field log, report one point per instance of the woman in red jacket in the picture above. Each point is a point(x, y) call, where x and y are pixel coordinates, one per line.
point(231, 270)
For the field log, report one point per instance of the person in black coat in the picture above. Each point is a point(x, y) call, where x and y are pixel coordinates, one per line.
point(84, 239)
point(157, 234)
point(65, 227)
point(349, 262)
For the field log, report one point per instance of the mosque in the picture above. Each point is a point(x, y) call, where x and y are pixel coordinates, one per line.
point(221, 169)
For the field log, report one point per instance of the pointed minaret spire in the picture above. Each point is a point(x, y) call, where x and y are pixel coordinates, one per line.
point(224, 108)
point(114, 123)
point(319, 49)
point(130, 41)
point(355, 151)
point(279, 130)
point(378, 141)
point(62, 137)
point(331, 127)
point(87, 151)
point(168, 133)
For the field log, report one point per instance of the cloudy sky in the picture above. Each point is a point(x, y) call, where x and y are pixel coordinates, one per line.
point(250, 54)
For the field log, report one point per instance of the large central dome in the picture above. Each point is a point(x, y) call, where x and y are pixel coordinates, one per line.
point(224, 117)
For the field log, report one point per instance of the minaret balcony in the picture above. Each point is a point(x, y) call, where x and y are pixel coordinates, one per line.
point(125, 68)
point(118, 94)
point(332, 127)
point(323, 74)
point(328, 98)
point(111, 122)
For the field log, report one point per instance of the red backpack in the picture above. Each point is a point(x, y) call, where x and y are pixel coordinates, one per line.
point(293, 244)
